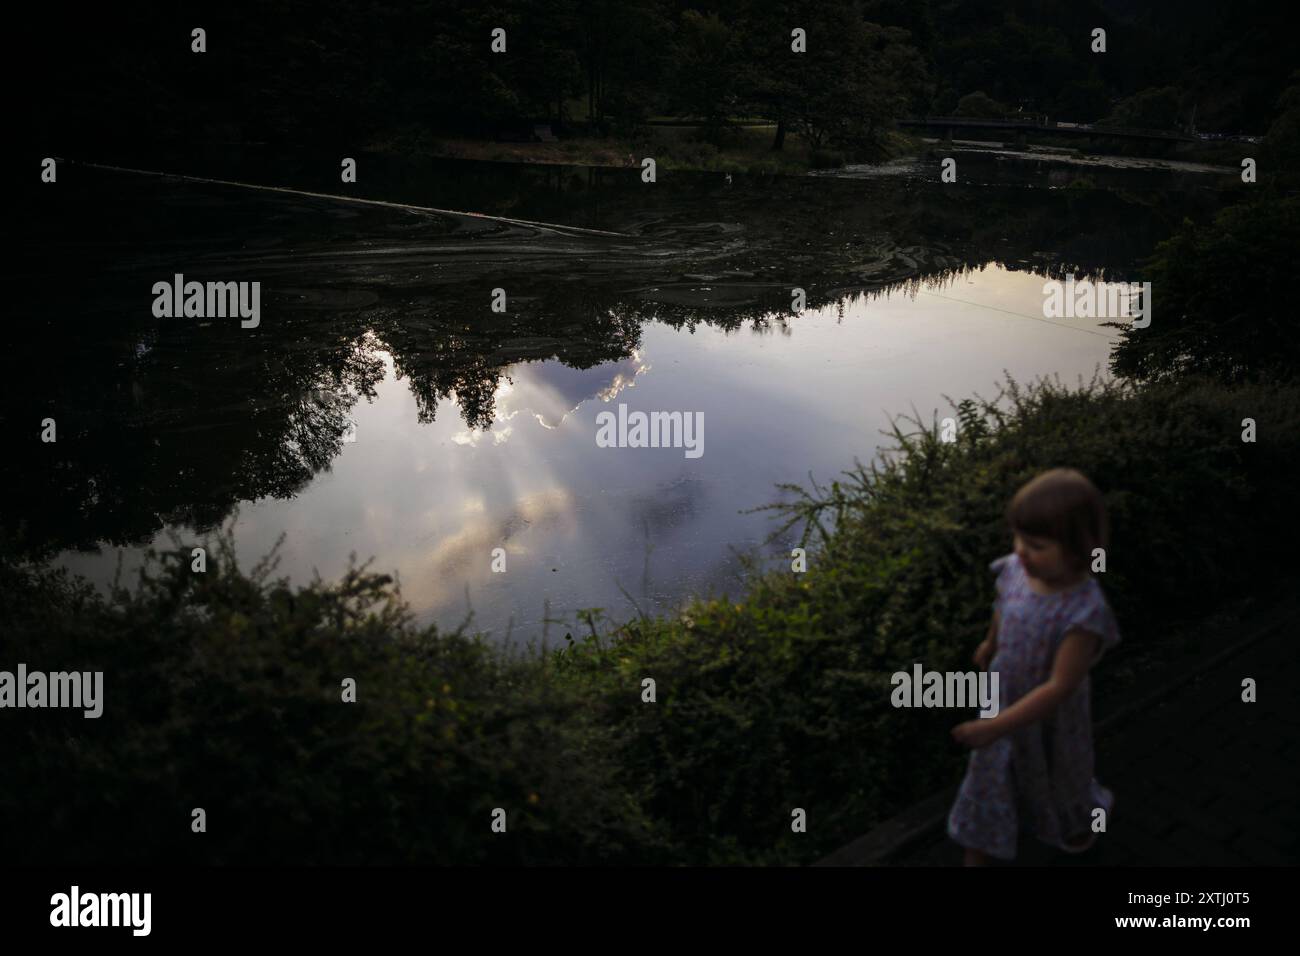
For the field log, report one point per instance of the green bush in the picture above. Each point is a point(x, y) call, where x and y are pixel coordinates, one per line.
point(222, 690)
point(1218, 299)
point(781, 701)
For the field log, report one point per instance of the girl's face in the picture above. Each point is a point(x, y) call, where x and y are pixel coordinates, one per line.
point(1042, 558)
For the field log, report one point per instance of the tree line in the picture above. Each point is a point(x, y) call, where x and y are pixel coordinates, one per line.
point(292, 71)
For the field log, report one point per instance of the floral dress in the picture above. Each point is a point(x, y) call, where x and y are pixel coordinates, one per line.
point(1038, 778)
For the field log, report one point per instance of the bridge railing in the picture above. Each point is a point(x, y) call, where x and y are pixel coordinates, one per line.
point(1020, 119)
point(1039, 122)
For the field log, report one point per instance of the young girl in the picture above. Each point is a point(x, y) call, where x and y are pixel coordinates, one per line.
point(1031, 766)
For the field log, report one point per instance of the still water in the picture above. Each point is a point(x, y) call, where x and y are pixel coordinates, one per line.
point(382, 409)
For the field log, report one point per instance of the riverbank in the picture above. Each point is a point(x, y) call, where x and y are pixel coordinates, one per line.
point(744, 149)
point(747, 149)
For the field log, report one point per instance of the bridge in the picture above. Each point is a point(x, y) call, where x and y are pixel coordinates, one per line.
point(1039, 124)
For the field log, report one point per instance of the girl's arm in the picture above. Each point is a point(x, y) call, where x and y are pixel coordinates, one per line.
point(1073, 659)
point(985, 652)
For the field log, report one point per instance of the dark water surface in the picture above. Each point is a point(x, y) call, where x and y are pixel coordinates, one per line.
point(381, 408)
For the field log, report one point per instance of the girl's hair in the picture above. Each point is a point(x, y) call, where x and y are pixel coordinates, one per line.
point(1062, 505)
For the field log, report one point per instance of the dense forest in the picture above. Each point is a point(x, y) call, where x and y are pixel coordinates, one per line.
point(289, 71)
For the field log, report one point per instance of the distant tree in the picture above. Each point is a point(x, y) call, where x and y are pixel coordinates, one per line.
point(1150, 109)
point(706, 71)
point(860, 77)
point(468, 86)
point(1009, 59)
point(767, 84)
point(1283, 140)
point(1081, 100)
point(624, 47)
point(980, 105)
point(945, 103)
point(1221, 299)
point(544, 66)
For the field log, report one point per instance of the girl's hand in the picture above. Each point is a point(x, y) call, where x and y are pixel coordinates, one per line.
point(977, 733)
point(984, 653)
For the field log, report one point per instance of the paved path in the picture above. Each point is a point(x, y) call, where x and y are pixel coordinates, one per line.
point(1200, 778)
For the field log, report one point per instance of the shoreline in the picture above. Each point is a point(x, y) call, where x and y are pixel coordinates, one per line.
point(745, 151)
point(742, 158)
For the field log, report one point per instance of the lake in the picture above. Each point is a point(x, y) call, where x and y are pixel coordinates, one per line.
point(382, 408)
